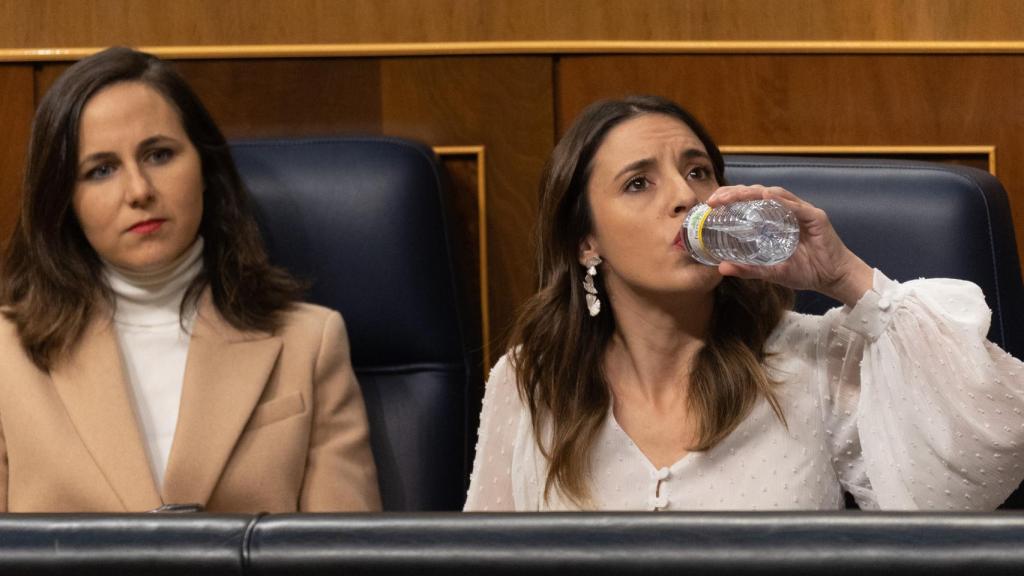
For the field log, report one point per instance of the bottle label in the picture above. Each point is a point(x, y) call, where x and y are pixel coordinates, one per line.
point(693, 233)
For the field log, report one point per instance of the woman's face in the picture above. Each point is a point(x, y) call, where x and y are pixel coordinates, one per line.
point(139, 188)
point(646, 174)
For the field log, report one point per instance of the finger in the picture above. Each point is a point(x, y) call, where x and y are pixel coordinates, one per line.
point(737, 193)
point(809, 215)
point(779, 193)
point(804, 211)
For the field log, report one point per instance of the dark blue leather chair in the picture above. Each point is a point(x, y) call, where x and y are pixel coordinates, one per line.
point(365, 220)
point(911, 220)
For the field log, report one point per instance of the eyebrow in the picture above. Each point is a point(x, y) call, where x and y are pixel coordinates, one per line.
point(634, 166)
point(106, 154)
point(688, 154)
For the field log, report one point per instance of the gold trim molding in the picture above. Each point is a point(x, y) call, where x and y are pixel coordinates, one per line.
point(989, 152)
point(479, 155)
point(549, 47)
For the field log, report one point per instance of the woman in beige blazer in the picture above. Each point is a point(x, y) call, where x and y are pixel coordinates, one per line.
point(133, 213)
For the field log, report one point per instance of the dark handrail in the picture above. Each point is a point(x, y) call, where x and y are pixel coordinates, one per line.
point(451, 543)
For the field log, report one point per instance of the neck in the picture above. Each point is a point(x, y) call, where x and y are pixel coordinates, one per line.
point(154, 297)
point(655, 343)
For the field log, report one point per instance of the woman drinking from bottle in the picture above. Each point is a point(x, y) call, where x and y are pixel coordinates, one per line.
point(642, 379)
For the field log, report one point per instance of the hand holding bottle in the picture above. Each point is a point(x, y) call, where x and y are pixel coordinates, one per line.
point(821, 262)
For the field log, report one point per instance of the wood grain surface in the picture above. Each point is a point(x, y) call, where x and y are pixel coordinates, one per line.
point(16, 96)
point(71, 23)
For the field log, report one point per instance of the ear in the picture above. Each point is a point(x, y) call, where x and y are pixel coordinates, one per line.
point(588, 249)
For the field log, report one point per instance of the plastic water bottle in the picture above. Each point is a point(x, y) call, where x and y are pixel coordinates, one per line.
point(753, 232)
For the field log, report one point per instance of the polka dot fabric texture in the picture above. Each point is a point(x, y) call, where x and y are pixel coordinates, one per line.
point(900, 401)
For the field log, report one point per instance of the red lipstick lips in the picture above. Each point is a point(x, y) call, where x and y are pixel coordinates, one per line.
point(147, 226)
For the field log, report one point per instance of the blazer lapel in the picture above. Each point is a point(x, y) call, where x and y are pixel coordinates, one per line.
point(225, 375)
point(92, 385)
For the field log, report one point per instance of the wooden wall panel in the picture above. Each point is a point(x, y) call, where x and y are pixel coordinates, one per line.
point(45, 76)
point(503, 104)
point(44, 24)
point(16, 94)
point(751, 100)
point(252, 98)
point(462, 173)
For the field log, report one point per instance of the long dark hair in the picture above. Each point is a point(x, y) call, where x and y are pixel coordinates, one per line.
point(558, 349)
point(51, 279)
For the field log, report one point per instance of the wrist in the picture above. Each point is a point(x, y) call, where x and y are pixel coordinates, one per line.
point(855, 279)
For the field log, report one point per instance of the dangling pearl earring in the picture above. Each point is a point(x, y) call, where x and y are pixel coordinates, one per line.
point(593, 303)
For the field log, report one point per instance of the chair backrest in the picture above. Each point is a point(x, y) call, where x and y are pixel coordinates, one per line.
point(365, 220)
point(911, 219)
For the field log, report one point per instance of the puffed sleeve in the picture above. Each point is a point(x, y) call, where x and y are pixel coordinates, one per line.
point(340, 472)
point(490, 485)
point(923, 411)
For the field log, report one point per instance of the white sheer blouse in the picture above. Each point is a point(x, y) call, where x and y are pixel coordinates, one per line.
point(900, 400)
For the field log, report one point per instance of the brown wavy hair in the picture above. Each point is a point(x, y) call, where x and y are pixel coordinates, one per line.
point(558, 349)
point(51, 279)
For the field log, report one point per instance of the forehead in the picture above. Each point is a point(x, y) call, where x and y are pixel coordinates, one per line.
point(127, 110)
point(644, 136)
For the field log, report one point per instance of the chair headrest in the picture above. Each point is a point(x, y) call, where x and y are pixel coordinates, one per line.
point(364, 219)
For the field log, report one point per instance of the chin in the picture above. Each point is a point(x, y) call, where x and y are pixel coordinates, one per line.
point(700, 278)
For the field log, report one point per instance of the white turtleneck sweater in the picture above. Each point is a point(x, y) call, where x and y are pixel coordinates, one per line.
point(154, 344)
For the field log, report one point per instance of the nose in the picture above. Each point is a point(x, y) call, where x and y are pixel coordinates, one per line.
point(138, 187)
point(683, 198)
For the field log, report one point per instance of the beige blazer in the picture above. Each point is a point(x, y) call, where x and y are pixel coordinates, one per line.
point(266, 423)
